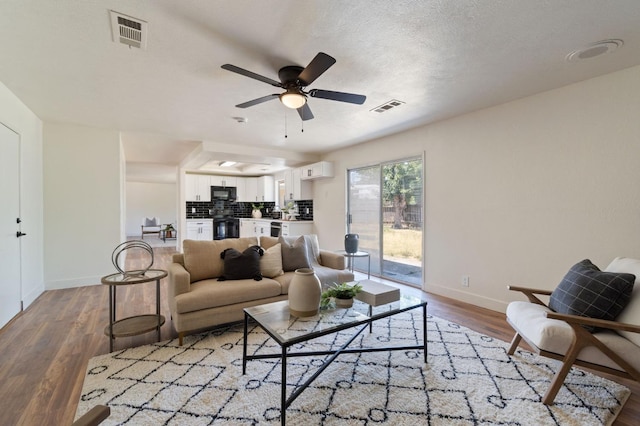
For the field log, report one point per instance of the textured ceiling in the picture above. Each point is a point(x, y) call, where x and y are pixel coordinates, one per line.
point(441, 58)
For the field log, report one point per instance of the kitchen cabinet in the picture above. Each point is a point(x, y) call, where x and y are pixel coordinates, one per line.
point(249, 190)
point(258, 189)
point(293, 228)
point(266, 190)
point(218, 180)
point(241, 189)
point(255, 228)
point(263, 228)
point(200, 230)
point(247, 228)
point(322, 169)
point(198, 187)
point(294, 187)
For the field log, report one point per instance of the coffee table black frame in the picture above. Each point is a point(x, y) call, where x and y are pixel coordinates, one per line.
point(281, 309)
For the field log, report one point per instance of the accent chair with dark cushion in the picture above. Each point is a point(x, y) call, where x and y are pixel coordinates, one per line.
point(596, 323)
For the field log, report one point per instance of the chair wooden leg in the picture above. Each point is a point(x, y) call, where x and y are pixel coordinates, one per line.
point(514, 343)
point(572, 353)
point(180, 337)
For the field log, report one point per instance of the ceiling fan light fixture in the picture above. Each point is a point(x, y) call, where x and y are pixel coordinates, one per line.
point(293, 99)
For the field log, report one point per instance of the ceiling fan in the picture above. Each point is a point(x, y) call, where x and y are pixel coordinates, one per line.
point(294, 80)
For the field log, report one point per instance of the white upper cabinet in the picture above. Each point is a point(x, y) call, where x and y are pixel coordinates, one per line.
point(223, 180)
point(266, 189)
point(250, 193)
point(198, 187)
point(294, 187)
point(322, 169)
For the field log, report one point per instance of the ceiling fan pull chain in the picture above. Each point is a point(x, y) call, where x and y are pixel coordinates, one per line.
point(285, 125)
point(302, 123)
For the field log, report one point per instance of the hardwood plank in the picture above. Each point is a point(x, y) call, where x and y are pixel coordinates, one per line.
point(45, 350)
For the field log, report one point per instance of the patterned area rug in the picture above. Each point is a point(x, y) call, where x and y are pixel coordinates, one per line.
point(469, 380)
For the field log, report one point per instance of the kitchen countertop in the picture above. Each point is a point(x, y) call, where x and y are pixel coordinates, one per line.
point(266, 219)
point(262, 219)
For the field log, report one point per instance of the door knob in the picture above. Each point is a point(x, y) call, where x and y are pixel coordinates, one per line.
point(20, 234)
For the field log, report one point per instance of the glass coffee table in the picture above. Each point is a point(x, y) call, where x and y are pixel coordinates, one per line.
point(288, 330)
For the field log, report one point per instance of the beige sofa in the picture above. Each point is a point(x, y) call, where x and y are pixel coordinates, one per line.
point(197, 299)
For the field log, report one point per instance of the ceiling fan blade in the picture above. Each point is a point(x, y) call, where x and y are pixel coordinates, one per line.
point(316, 67)
point(338, 96)
point(305, 112)
point(250, 74)
point(257, 101)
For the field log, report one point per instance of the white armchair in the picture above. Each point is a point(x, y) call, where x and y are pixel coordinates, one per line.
point(612, 347)
point(151, 226)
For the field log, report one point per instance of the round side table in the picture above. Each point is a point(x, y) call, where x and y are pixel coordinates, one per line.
point(352, 256)
point(138, 324)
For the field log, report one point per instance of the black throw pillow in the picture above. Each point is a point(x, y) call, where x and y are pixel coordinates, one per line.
point(589, 292)
point(240, 266)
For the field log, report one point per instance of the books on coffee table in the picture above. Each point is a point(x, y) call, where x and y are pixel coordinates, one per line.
point(376, 294)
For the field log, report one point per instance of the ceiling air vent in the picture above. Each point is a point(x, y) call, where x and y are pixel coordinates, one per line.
point(128, 30)
point(387, 106)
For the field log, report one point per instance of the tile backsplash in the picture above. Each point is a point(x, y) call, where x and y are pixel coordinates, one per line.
point(202, 209)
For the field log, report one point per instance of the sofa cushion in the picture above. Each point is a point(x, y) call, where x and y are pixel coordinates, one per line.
point(630, 314)
point(294, 254)
point(271, 261)
point(238, 266)
point(212, 293)
point(202, 258)
point(589, 292)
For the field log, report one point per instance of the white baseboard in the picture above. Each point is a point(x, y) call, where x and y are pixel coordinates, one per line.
point(30, 297)
point(472, 298)
point(72, 283)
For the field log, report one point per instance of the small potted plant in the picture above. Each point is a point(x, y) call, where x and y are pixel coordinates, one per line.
point(342, 293)
point(168, 230)
point(256, 211)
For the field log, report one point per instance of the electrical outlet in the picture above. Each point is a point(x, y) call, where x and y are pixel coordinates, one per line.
point(193, 209)
point(465, 281)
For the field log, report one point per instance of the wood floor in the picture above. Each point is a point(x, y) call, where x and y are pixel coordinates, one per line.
point(46, 348)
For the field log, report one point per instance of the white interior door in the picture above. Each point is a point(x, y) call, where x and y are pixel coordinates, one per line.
point(10, 285)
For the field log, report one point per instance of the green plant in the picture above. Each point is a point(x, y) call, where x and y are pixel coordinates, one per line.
point(286, 209)
point(257, 206)
point(339, 291)
point(169, 227)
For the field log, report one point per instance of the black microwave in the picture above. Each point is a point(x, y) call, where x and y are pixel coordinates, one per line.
point(226, 193)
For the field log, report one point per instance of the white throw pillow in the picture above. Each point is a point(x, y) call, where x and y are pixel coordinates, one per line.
point(271, 262)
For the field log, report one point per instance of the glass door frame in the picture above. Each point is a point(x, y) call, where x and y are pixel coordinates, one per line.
point(377, 254)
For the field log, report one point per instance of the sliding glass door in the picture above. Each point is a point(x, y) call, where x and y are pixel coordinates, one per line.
point(364, 214)
point(385, 206)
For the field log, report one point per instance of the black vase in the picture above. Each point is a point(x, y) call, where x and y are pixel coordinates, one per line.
point(351, 243)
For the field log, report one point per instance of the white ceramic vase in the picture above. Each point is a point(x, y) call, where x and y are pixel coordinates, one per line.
point(304, 293)
point(256, 214)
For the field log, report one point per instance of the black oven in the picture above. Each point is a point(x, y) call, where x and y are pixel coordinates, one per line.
point(225, 193)
point(276, 229)
point(226, 227)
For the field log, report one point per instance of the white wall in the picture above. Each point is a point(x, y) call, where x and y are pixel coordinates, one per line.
point(148, 200)
point(517, 193)
point(15, 115)
point(82, 199)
